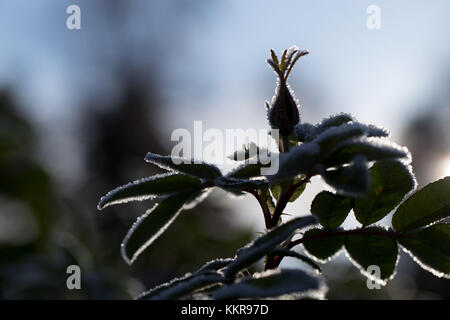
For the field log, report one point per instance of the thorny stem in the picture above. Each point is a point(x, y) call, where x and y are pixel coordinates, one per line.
point(284, 199)
point(387, 234)
point(281, 205)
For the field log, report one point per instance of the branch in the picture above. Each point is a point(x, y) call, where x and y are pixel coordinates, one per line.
point(327, 234)
point(284, 199)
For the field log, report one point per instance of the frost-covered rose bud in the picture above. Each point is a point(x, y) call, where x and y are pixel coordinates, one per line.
point(283, 114)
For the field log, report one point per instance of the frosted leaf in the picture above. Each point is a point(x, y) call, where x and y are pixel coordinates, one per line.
point(148, 188)
point(391, 181)
point(152, 224)
point(367, 249)
point(331, 209)
point(260, 247)
point(228, 183)
point(428, 205)
point(373, 149)
point(299, 160)
point(247, 152)
point(334, 121)
point(322, 249)
point(216, 264)
point(291, 253)
point(197, 199)
point(352, 180)
point(332, 136)
point(271, 284)
point(428, 260)
point(430, 248)
point(248, 170)
point(181, 287)
point(305, 131)
point(374, 131)
point(187, 166)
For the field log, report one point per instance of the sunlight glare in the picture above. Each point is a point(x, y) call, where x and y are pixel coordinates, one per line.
point(445, 169)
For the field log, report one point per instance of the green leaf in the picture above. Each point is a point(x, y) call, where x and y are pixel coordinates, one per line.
point(390, 181)
point(334, 121)
point(267, 198)
point(215, 265)
point(323, 249)
point(297, 191)
point(331, 137)
point(187, 166)
point(291, 253)
point(271, 284)
point(429, 204)
point(306, 132)
point(280, 187)
point(430, 248)
point(182, 287)
point(370, 249)
point(331, 209)
point(373, 149)
point(260, 247)
point(246, 171)
point(227, 183)
point(248, 151)
point(152, 224)
point(300, 159)
point(151, 187)
point(352, 180)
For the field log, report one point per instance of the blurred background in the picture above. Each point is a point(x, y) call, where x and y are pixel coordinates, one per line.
point(79, 109)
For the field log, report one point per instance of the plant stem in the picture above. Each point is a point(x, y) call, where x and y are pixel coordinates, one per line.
point(271, 262)
point(284, 144)
point(327, 234)
point(284, 199)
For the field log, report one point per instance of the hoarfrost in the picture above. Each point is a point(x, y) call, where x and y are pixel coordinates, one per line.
point(271, 284)
point(147, 188)
point(255, 250)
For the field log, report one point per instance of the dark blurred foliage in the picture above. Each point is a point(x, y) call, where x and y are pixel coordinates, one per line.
point(69, 230)
point(47, 225)
point(117, 142)
point(36, 246)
